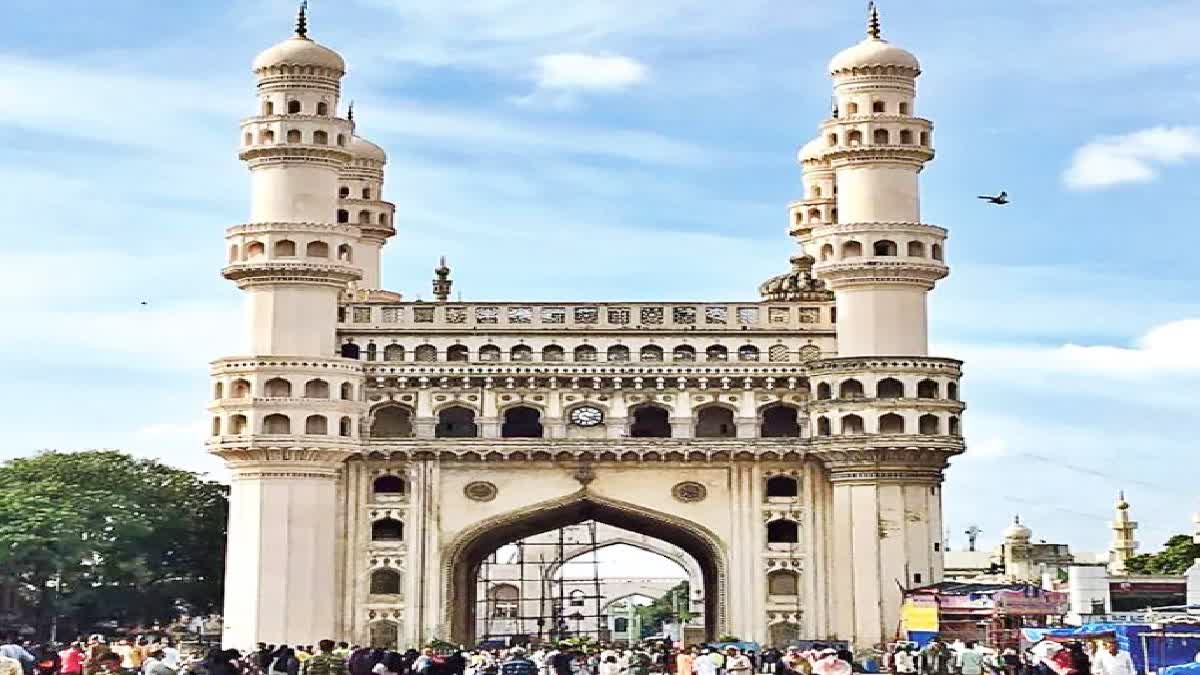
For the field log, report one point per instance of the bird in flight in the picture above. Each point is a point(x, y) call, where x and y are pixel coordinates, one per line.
point(1000, 199)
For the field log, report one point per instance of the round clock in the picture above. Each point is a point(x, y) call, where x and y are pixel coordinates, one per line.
point(587, 416)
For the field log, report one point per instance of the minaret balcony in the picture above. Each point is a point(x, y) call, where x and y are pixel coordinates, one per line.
point(253, 272)
point(880, 271)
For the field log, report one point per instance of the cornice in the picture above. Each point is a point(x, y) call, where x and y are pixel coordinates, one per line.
point(350, 230)
point(830, 229)
point(237, 365)
point(933, 365)
point(291, 272)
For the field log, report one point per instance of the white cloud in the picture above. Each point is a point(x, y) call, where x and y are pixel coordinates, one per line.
point(585, 72)
point(1131, 158)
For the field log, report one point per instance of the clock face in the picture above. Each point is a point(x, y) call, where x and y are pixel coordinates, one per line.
point(586, 416)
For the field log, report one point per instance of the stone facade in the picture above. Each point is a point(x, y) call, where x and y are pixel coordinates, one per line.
point(380, 448)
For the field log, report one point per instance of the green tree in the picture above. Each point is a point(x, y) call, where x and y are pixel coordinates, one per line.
point(666, 607)
point(100, 535)
point(1178, 555)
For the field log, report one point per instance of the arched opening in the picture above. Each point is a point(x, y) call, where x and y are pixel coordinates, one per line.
point(219, 391)
point(585, 353)
point(349, 350)
point(878, 106)
point(341, 140)
point(521, 353)
point(881, 137)
point(456, 422)
point(387, 529)
point(372, 351)
point(814, 215)
point(935, 252)
point(780, 421)
point(783, 531)
point(364, 217)
point(716, 353)
point(651, 353)
point(553, 353)
point(239, 389)
point(618, 353)
point(650, 421)
point(366, 193)
point(925, 138)
point(347, 391)
point(322, 108)
point(851, 249)
point(248, 138)
point(237, 424)
point(852, 425)
point(916, 249)
point(393, 353)
point(458, 353)
point(467, 607)
point(522, 422)
point(266, 136)
point(889, 387)
point(778, 354)
point(389, 486)
point(576, 598)
point(784, 487)
point(385, 582)
point(854, 137)
point(233, 253)
point(343, 192)
point(285, 248)
point(385, 635)
point(277, 424)
point(952, 391)
point(891, 423)
point(885, 247)
point(783, 583)
point(316, 425)
point(294, 136)
point(824, 428)
point(345, 253)
point(684, 353)
point(715, 422)
point(954, 427)
point(392, 421)
point(782, 634)
point(906, 137)
point(903, 105)
point(748, 353)
point(929, 425)
point(293, 107)
point(824, 391)
point(216, 426)
point(316, 389)
point(343, 216)
point(317, 249)
point(826, 252)
point(277, 387)
point(504, 601)
point(927, 389)
point(850, 389)
point(268, 108)
point(425, 353)
point(321, 137)
point(851, 108)
point(345, 427)
point(489, 353)
point(255, 249)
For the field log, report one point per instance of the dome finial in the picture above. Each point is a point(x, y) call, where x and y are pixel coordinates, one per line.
point(350, 112)
point(302, 20)
point(873, 31)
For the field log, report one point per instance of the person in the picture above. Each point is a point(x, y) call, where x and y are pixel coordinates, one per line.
point(904, 661)
point(72, 659)
point(155, 665)
point(639, 663)
point(10, 666)
point(705, 664)
point(110, 663)
point(1080, 663)
point(737, 663)
point(12, 648)
point(392, 663)
point(423, 665)
point(936, 658)
point(793, 662)
point(829, 663)
point(342, 650)
point(325, 662)
point(518, 664)
point(685, 661)
point(1113, 660)
point(970, 660)
point(284, 662)
point(48, 662)
point(608, 666)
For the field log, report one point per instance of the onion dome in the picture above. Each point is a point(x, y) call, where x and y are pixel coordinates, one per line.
point(812, 150)
point(299, 50)
point(361, 148)
point(874, 52)
point(798, 284)
point(1017, 531)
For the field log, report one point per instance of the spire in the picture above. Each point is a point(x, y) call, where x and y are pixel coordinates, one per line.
point(873, 21)
point(302, 20)
point(1124, 545)
point(441, 281)
point(350, 112)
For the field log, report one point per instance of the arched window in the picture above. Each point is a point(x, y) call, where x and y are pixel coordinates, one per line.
point(903, 107)
point(350, 350)
point(458, 353)
point(233, 253)
point(577, 598)
point(850, 389)
point(780, 421)
point(783, 486)
point(383, 219)
point(219, 391)
point(266, 136)
point(927, 389)
point(929, 424)
point(316, 389)
point(881, 137)
point(954, 427)
point(824, 428)
point(851, 108)
point(366, 193)
point(322, 108)
point(341, 139)
point(316, 425)
point(716, 353)
point(285, 248)
point(851, 249)
point(885, 247)
point(426, 353)
point(489, 353)
point(216, 426)
point(814, 215)
point(505, 600)
point(277, 387)
point(293, 136)
point(684, 353)
point(347, 391)
point(952, 391)
point(343, 192)
point(392, 421)
point(372, 351)
point(239, 389)
point(456, 422)
point(345, 427)
point(345, 253)
point(852, 424)
point(553, 353)
point(385, 582)
point(317, 249)
point(388, 529)
point(618, 353)
point(650, 421)
point(255, 249)
point(889, 387)
point(878, 106)
point(783, 582)
point(891, 423)
point(778, 354)
point(854, 137)
point(906, 137)
point(783, 531)
point(715, 422)
point(237, 424)
point(277, 424)
point(916, 249)
point(748, 353)
point(393, 352)
point(389, 485)
point(248, 139)
point(816, 190)
point(521, 353)
point(268, 108)
point(824, 391)
point(522, 422)
point(826, 252)
point(320, 137)
point(293, 107)
point(364, 217)
point(585, 353)
point(832, 139)
point(935, 252)
point(925, 138)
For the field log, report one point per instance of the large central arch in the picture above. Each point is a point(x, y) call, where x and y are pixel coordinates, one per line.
point(465, 554)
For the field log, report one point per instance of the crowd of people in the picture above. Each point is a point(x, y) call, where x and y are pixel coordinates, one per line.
point(1044, 658)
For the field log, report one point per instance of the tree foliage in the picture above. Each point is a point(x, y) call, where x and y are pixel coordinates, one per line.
point(1175, 558)
point(664, 608)
point(100, 535)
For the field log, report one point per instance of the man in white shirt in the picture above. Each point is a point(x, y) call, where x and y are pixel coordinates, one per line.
point(1113, 661)
point(905, 661)
point(737, 663)
point(970, 660)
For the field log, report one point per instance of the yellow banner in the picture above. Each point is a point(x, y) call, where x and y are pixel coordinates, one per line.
point(920, 618)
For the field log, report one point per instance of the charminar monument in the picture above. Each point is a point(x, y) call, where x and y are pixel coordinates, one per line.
point(792, 445)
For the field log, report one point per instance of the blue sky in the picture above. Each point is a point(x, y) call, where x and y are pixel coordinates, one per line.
point(651, 147)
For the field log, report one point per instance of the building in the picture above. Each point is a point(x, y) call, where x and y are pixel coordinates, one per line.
point(990, 614)
point(794, 445)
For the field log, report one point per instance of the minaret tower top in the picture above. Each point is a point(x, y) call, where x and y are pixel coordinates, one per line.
point(1124, 546)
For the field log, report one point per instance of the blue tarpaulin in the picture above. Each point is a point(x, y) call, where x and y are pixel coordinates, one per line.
point(1185, 669)
point(1150, 648)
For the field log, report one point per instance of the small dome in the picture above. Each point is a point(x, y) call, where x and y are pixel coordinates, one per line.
point(812, 150)
point(1018, 531)
point(798, 284)
point(362, 148)
point(874, 52)
point(299, 51)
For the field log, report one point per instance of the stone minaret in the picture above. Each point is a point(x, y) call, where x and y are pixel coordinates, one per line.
point(886, 416)
point(361, 203)
point(285, 414)
point(1124, 546)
